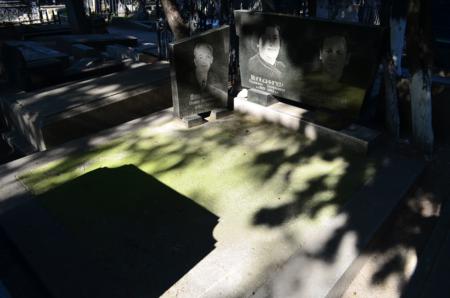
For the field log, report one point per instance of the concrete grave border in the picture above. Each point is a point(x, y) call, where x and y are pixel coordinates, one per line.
point(371, 206)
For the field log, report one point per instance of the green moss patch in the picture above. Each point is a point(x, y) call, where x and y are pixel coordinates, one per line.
point(225, 166)
point(264, 184)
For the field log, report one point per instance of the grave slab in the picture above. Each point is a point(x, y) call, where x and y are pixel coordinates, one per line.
point(55, 115)
point(192, 121)
point(277, 195)
point(97, 41)
point(217, 114)
point(29, 64)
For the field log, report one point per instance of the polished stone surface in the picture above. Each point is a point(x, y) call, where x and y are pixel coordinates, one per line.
point(199, 72)
point(320, 63)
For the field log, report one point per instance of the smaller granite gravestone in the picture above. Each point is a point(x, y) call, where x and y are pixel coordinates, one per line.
point(199, 74)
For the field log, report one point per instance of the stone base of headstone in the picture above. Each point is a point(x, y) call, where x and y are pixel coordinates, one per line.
point(217, 114)
point(147, 58)
point(192, 121)
point(261, 97)
point(355, 137)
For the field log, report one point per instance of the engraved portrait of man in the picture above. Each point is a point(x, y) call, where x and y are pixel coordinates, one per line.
point(331, 86)
point(203, 58)
point(205, 86)
point(199, 72)
point(265, 63)
point(334, 56)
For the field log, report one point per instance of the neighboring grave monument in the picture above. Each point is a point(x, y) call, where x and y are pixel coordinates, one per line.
point(199, 75)
point(29, 64)
point(320, 63)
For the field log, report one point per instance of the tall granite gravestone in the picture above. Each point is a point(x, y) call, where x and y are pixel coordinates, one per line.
point(199, 73)
point(320, 63)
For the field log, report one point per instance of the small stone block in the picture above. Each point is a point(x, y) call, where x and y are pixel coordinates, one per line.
point(121, 53)
point(146, 58)
point(261, 97)
point(363, 136)
point(362, 132)
point(83, 51)
point(192, 120)
point(218, 114)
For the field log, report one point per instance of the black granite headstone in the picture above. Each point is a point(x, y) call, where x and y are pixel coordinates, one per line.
point(320, 63)
point(199, 72)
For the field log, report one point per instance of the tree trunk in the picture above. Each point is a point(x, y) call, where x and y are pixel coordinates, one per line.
point(77, 17)
point(397, 23)
point(392, 67)
point(421, 110)
point(398, 29)
point(141, 13)
point(421, 61)
point(269, 5)
point(179, 27)
point(391, 112)
point(312, 7)
point(322, 9)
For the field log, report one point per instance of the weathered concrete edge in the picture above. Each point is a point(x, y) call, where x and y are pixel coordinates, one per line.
point(369, 208)
point(424, 276)
point(296, 122)
point(16, 202)
point(373, 206)
point(112, 98)
point(31, 124)
point(10, 187)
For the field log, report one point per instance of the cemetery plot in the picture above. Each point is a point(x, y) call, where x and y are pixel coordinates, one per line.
point(319, 63)
point(52, 116)
point(30, 64)
point(268, 185)
point(199, 72)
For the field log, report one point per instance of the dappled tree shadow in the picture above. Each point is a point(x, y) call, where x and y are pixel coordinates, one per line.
point(187, 147)
point(192, 146)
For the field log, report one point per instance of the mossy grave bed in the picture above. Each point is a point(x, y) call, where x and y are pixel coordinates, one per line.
point(165, 192)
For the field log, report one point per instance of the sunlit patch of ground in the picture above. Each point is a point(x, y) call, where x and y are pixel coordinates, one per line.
point(265, 183)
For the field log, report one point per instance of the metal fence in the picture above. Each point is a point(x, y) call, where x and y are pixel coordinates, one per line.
point(109, 7)
point(31, 12)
